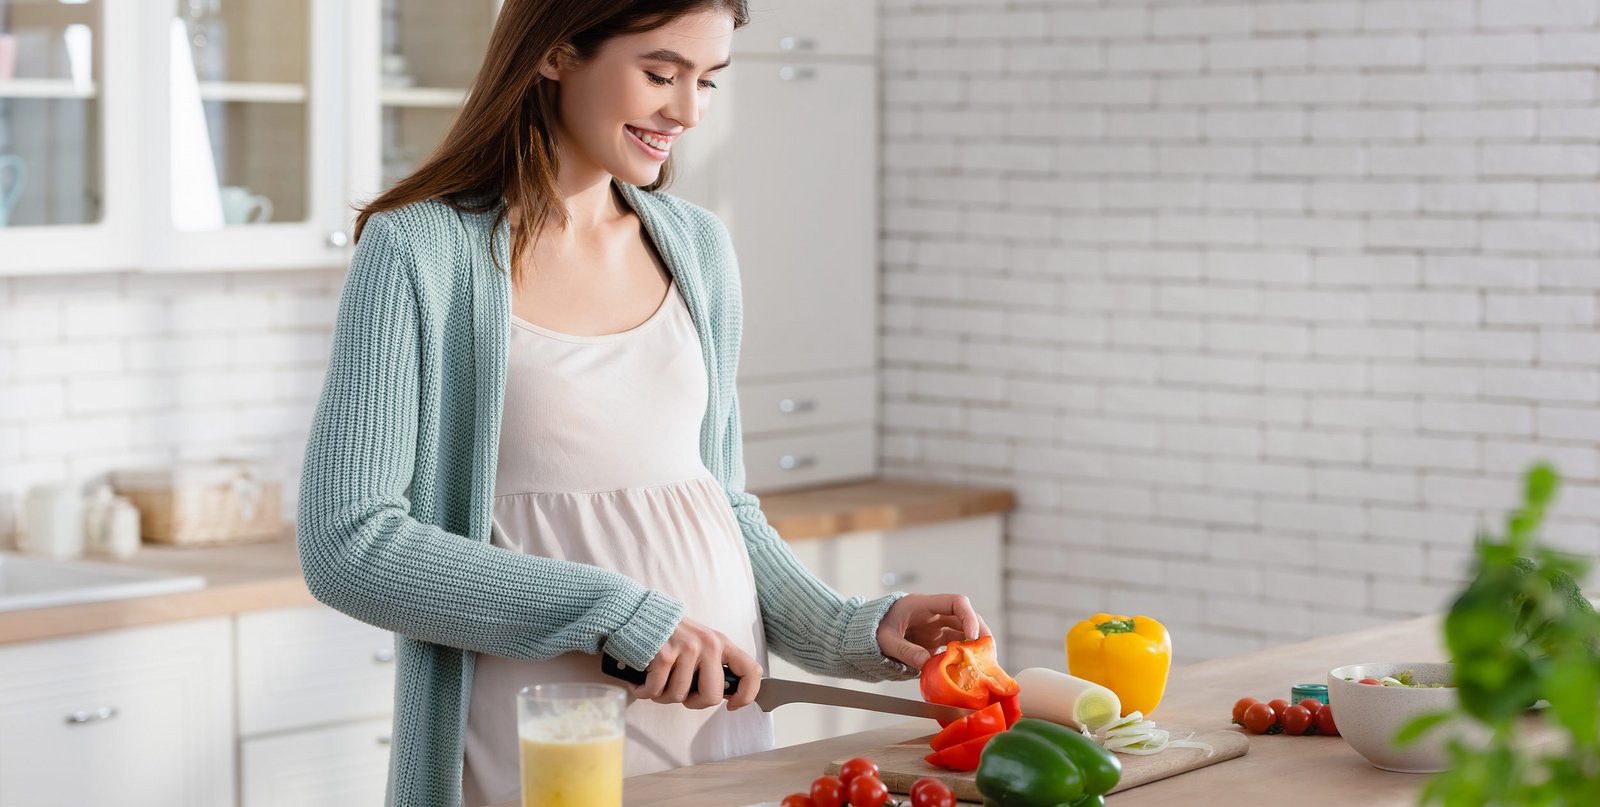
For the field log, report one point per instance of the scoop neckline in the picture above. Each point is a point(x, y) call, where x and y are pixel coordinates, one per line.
point(660, 312)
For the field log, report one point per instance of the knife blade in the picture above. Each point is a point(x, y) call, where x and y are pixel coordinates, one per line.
point(776, 692)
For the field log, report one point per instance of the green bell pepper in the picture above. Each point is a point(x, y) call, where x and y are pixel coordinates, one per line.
point(1101, 768)
point(1021, 769)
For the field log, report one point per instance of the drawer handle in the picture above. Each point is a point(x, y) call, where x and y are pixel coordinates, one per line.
point(790, 462)
point(790, 73)
point(384, 655)
point(891, 579)
point(91, 715)
point(797, 43)
point(384, 739)
point(789, 406)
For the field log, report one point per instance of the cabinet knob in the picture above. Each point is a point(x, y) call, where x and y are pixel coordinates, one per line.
point(791, 462)
point(91, 715)
point(797, 43)
point(337, 239)
point(384, 655)
point(792, 73)
point(892, 579)
point(384, 739)
point(789, 406)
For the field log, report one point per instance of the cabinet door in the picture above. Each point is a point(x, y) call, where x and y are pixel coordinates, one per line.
point(787, 461)
point(336, 766)
point(246, 134)
point(787, 157)
point(69, 149)
point(802, 27)
point(138, 717)
point(311, 665)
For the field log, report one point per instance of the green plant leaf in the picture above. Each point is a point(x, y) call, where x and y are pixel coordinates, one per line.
point(1420, 725)
point(1572, 686)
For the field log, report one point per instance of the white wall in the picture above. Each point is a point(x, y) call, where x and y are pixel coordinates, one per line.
point(116, 370)
point(1259, 305)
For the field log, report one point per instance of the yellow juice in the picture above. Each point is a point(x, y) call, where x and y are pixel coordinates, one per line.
point(583, 773)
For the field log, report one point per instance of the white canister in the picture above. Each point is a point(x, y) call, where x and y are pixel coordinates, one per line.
point(52, 521)
point(122, 528)
point(96, 515)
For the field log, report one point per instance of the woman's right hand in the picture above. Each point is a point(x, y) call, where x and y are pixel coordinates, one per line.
point(694, 647)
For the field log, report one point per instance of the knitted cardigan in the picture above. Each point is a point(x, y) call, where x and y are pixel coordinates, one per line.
point(397, 488)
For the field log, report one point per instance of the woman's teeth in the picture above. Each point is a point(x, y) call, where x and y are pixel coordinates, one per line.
point(651, 140)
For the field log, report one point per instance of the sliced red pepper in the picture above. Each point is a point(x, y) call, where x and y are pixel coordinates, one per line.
point(934, 759)
point(1012, 708)
point(964, 757)
point(966, 674)
point(981, 723)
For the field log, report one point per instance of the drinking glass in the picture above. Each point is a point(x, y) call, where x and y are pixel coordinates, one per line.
point(571, 737)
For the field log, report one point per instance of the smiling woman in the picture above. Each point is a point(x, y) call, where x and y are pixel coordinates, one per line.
point(527, 450)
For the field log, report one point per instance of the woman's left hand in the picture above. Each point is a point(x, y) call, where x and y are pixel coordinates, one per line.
point(918, 624)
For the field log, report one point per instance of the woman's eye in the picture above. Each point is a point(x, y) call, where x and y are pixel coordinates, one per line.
point(661, 81)
point(707, 84)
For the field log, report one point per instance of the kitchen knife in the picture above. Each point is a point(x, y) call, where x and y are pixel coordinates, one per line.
point(776, 692)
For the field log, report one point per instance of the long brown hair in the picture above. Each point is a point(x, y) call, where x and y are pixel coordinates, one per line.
point(501, 144)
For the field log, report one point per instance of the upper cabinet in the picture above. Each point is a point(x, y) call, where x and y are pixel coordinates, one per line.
point(68, 103)
point(793, 28)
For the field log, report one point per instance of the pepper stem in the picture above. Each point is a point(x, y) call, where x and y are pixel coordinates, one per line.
point(1116, 626)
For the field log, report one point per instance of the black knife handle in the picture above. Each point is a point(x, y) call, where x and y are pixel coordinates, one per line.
point(616, 669)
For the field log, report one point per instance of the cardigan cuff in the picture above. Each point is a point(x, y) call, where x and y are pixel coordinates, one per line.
point(649, 627)
point(860, 649)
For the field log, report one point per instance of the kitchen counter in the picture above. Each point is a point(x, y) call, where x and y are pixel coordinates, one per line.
point(266, 574)
point(1279, 769)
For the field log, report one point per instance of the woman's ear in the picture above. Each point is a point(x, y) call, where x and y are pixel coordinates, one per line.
point(556, 61)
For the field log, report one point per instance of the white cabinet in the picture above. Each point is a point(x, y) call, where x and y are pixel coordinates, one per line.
point(952, 557)
point(787, 158)
point(315, 695)
point(140, 717)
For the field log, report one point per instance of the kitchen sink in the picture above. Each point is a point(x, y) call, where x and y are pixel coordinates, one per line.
point(30, 582)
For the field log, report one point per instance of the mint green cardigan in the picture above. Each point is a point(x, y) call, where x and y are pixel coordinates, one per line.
point(397, 488)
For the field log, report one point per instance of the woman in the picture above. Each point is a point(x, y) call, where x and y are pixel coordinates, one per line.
point(527, 448)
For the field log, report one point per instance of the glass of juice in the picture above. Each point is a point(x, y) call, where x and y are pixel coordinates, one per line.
point(572, 738)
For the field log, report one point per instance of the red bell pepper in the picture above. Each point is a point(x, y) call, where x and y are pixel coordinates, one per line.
point(962, 756)
point(981, 723)
point(966, 674)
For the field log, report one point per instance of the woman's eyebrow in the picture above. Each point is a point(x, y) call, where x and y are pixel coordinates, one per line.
point(674, 57)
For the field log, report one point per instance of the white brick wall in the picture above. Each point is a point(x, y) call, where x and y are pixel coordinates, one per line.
point(1261, 306)
point(126, 369)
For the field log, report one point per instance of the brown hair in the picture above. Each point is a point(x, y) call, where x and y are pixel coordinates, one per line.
point(500, 145)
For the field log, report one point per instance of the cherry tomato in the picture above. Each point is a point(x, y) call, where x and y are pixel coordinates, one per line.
point(1325, 723)
point(797, 800)
point(1311, 705)
point(1257, 719)
point(1296, 719)
point(827, 791)
point(1373, 681)
point(1278, 705)
point(1240, 705)
point(930, 792)
point(868, 791)
point(857, 766)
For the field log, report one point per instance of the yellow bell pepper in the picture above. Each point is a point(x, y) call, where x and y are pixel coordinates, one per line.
point(1127, 655)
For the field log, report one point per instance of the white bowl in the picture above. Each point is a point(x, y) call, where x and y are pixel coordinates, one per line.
point(1369, 716)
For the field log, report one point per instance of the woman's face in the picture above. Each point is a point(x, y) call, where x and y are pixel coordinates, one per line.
point(622, 111)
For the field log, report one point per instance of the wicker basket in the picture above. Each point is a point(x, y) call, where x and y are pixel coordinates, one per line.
point(203, 503)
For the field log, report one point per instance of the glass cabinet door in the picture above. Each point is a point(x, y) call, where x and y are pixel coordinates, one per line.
point(51, 115)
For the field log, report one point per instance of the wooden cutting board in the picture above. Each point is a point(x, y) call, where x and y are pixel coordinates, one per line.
point(901, 764)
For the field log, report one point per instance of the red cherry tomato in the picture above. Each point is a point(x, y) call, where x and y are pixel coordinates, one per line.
point(1241, 705)
point(1311, 705)
point(868, 791)
point(1325, 724)
point(1278, 705)
point(1373, 681)
point(930, 792)
point(1257, 719)
point(797, 800)
point(828, 791)
point(1296, 719)
point(857, 766)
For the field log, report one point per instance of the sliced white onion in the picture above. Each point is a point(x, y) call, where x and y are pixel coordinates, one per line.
point(1140, 737)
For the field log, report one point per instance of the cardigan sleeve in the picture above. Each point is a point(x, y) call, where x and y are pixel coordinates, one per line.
point(363, 553)
point(806, 621)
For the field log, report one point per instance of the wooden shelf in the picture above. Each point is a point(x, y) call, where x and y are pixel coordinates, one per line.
point(252, 92)
point(434, 97)
point(64, 88)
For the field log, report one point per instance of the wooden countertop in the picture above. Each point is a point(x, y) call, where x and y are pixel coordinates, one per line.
point(266, 574)
point(1279, 769)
